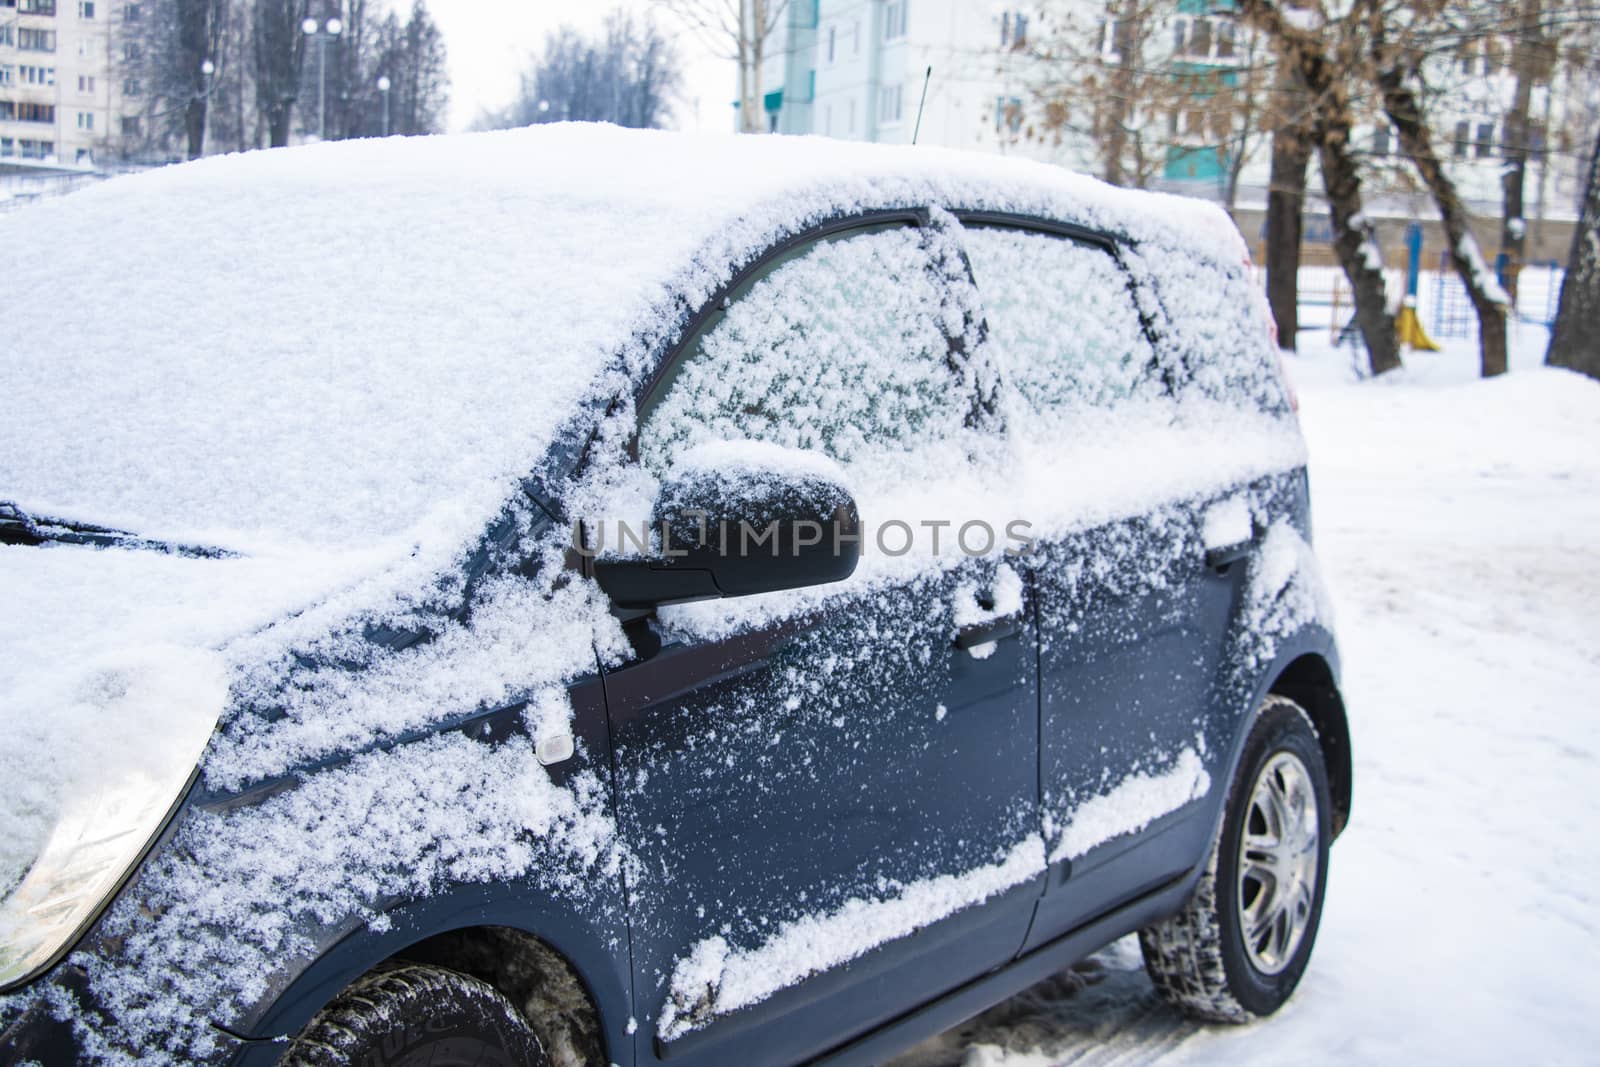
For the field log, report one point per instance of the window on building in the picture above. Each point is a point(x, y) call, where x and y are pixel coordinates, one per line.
point(8, 74)
point(1180, 35)
point(85, 156)
point(1493, 55)
point(1227, 35)
point(86, 9)
point(130, 125)
point(1013, 30)
point(1008, 114)
point(8, 111)
point(8, 34)
point(86, 120)
point(1200, 38)
point(36, 113)
point(1463, 139)
point(833, 42)
point(1469, 54)
point(1381, 143)
point(131, 87)
point(130, 12)
point(1111, 39)
point(36, 149)
point(29, 40)
point(894, 19)
point(86, 83)
point(36, 7)
point(889, 99)
point(130, 52)
point(37, 75)
point(1484, 145)
point(8, 147)
point(1195, 123)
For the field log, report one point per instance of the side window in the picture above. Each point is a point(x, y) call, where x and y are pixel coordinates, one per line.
point(1064, 326)
point(839, 348)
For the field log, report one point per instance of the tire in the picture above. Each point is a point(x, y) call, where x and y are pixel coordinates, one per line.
point(409, 1015)
point(1200, 959)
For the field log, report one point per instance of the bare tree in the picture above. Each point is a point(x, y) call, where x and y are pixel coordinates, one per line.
point(174, 52)
point(738, 30)
point(1327, 50)
point(1144, 86)
point(628, 76)
point(1575, 338)
point(418, 73)
point(280, 54)
point(1398, 72)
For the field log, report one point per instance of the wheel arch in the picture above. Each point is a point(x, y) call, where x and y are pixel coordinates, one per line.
point(560, 971)
point(1310, 680)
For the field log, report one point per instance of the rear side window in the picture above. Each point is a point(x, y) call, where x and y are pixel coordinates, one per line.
point(1061, 318)
point(839, 348)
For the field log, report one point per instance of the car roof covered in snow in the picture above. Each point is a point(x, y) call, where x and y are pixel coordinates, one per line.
point(367, 343)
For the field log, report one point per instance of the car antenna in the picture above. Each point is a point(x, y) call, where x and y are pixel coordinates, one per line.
point(922, 103)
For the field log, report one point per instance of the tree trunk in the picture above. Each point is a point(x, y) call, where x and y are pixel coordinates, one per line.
point(1355, 243)
point(194, 125)
point(1513, 214)
point(1325, 79)
point(1575, 338)
point(1416, 140)
point(1286, 197)
point(278, 125)
point(1130, 45)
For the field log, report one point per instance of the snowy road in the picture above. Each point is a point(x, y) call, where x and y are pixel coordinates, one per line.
point(1459, 524)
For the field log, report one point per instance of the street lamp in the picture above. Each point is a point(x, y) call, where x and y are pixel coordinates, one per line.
point(329, 30)
point(207, 70)
point(383, 87)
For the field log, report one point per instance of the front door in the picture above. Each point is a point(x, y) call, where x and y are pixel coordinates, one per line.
point(829, 796)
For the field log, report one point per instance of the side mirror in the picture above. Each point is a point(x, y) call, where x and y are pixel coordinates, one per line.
point(737, 519)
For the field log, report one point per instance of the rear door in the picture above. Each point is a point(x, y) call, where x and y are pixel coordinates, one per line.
point(830, 807)
point(1131, 617)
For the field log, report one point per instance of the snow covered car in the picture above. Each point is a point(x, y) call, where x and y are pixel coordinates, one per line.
point(585, 596)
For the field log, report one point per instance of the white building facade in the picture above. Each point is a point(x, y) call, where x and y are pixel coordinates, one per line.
point(855, 69)
point(60, 102)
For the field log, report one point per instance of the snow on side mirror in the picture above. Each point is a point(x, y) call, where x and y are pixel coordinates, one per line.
point(737, 518)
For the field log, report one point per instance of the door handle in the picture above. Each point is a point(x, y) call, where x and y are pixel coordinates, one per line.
point(982, 633)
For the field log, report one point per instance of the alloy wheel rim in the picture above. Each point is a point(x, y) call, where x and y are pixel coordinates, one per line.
point(1278, 857)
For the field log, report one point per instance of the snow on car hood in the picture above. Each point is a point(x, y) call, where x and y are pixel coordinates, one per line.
point(109, 661)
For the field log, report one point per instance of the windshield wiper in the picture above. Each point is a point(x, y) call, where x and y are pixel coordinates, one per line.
point(17, 527)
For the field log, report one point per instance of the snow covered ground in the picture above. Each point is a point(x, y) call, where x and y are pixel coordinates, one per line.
point(1457, 522)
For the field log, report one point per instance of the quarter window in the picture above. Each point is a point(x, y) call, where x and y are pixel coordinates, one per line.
point(838, 348)
point(1062, 323)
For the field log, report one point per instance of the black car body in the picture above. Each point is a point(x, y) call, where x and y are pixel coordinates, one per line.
point(812, 822)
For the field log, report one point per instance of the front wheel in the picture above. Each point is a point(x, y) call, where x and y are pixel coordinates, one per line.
point(409, 1015)
point(1238, 948)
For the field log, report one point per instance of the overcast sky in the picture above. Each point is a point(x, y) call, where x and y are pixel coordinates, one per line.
point(491, 41)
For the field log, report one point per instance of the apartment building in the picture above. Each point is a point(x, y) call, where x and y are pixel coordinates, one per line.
point(60, 103)
point(855, 69)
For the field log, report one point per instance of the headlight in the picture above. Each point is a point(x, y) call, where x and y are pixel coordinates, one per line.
point(132, 768)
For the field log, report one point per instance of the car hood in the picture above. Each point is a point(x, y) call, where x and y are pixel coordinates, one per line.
point(115, 664)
